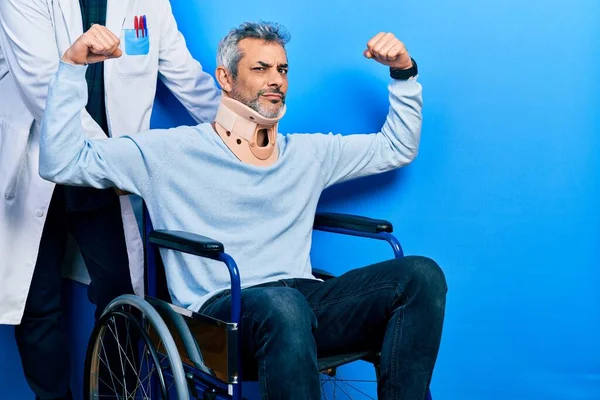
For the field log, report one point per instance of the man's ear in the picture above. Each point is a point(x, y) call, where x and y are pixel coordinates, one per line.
point(224, 78)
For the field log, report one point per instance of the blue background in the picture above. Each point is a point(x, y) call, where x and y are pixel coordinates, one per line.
point(504, 193)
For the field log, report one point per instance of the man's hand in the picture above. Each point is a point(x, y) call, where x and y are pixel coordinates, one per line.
point(95, 45)
point(386, 49)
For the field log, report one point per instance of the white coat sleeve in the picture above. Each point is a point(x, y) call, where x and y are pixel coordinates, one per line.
point(346, 157)
point(68, 157)
point(32, 54)
point(182, 74)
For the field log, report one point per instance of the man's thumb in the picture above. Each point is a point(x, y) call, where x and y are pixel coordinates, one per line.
point(117, 53)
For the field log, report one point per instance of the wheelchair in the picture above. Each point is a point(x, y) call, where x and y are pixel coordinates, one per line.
point(148, 348)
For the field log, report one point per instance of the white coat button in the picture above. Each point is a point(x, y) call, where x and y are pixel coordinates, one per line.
point(39, 213)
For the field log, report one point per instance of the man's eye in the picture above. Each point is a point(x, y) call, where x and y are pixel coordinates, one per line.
point(259, 68)
point(283, 71)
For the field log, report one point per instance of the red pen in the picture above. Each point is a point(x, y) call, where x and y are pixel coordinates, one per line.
point(136, 26)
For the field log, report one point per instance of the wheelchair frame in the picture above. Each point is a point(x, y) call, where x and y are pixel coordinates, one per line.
point(202, 372)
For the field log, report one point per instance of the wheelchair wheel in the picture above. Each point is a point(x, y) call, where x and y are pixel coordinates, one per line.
point(132, 355)
point(341, 383)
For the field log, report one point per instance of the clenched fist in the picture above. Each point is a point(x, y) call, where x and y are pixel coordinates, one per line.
point(386, 49)
point(95, 45)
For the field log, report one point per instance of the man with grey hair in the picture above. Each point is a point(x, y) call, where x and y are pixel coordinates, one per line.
point(240, 181)
point(229, 55)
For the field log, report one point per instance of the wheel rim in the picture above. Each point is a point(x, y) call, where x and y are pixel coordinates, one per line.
point(120, 367)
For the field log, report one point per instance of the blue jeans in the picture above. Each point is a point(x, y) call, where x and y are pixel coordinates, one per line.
point(396, 307)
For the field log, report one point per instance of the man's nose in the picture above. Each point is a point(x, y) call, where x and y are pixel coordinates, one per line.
point(275, 79)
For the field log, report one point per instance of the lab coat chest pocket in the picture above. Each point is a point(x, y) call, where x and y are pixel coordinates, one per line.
point(13, 151)
point(137, 47)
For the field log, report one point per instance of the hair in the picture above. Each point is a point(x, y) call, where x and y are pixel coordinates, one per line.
point(229, 53)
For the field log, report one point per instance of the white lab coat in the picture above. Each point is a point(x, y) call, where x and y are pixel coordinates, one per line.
point(34, 34)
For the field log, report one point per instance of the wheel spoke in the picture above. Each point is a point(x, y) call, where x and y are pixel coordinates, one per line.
point(131, 375)
point(342, 388)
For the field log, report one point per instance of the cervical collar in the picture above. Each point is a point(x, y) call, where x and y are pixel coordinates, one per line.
point(239, 126)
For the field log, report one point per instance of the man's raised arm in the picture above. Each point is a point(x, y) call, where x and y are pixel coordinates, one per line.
point(66, 155)
point(353, 156)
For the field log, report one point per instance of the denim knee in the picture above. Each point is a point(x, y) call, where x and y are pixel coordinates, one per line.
point(425, 278)
point(287, 309)
point(283, 315)
point(428, 273)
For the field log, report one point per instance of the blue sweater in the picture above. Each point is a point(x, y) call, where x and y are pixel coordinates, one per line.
point(192, 182)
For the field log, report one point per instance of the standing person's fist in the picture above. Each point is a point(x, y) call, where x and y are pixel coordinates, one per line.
point(95, 45)
point(386, 49)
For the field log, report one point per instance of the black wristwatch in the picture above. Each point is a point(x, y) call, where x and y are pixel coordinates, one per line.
point(405, 74)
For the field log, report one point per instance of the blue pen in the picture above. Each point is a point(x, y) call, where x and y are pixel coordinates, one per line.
point(145, 26)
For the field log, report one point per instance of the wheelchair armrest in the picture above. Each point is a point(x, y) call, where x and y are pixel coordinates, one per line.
point(206, 247)
point(351, 222)
point(187, 242)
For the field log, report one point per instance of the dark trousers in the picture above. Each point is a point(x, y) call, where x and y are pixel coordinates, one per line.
point(94, 220)
point(395, 306)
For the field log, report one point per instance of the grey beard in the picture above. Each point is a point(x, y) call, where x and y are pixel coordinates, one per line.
point(256, 106)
